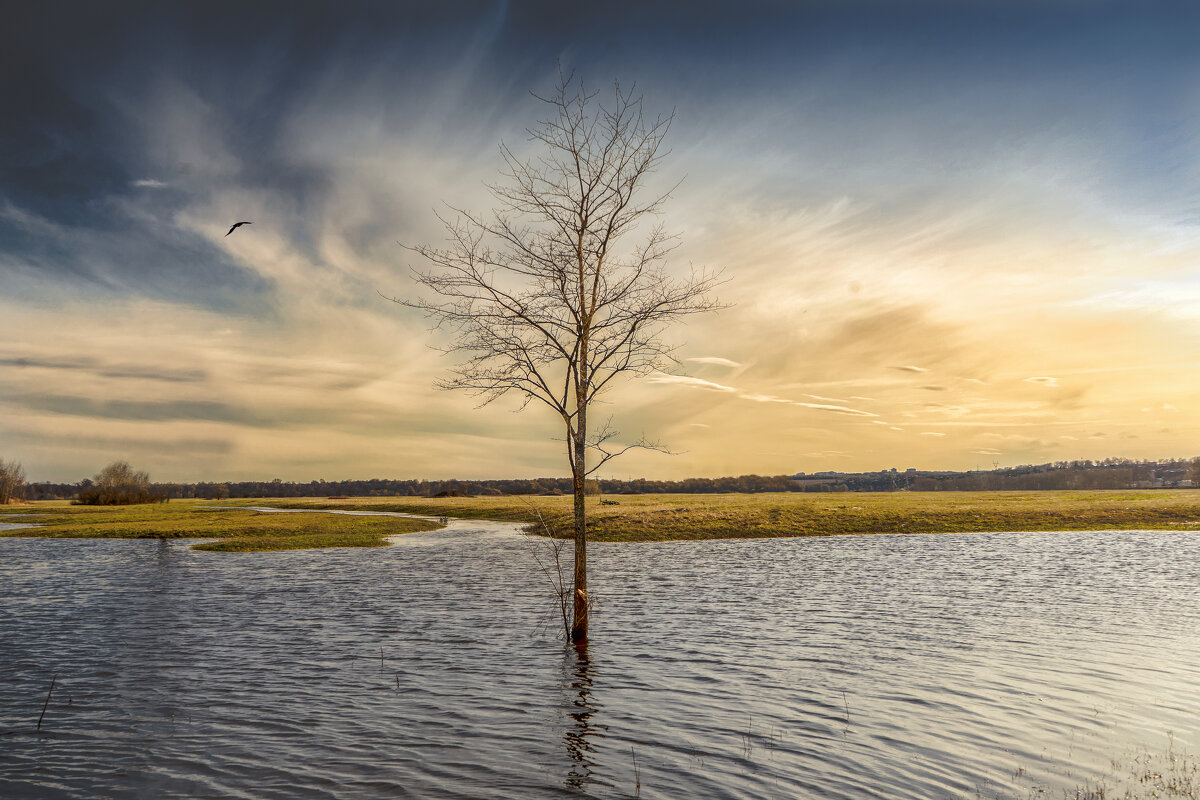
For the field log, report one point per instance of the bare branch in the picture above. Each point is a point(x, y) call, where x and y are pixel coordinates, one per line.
point(598, 443)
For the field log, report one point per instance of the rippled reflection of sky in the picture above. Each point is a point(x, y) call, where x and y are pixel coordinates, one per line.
point(955, 234)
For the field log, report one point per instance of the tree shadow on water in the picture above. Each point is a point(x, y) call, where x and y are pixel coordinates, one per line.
point(582, 733)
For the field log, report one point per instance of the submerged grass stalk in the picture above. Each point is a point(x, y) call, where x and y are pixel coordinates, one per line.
point(46, 704)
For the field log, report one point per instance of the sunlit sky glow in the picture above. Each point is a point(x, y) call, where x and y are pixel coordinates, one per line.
point(955, 234)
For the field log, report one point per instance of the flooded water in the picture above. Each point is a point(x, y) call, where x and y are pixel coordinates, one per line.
point(20, 524)
point(982, 665)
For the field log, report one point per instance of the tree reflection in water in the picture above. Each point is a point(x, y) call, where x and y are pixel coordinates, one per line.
point(579, 735)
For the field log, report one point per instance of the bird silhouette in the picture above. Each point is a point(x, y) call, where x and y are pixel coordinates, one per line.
point(236, 224)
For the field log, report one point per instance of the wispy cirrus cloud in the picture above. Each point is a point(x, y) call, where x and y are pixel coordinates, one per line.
point(714, 360)
point(763, 398)
point(754, 397)
point(854, 412)
point(687, 380)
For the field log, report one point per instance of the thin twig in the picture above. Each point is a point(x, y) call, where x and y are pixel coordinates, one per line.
point(554, 572)
point(46, 704)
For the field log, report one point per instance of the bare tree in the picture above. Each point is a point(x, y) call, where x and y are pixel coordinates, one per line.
point(118, 484)
point(12, 479)
point(543, 296)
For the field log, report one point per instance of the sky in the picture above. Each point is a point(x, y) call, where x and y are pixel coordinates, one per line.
point(953, 235)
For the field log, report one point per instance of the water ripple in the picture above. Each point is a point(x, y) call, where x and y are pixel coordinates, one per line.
point(845, 667)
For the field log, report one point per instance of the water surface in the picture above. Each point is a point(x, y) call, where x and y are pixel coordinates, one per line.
point(849, 667)
point(16, 526)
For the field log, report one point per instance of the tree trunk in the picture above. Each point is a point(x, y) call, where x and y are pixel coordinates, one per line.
point(579, 624)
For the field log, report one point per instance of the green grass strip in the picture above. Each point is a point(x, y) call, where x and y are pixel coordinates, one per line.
point(239, 529)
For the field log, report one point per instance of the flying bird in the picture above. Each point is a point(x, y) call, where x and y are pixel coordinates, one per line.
point(236, 225)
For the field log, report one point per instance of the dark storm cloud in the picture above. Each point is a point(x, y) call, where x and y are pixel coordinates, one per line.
point(120, 256)
point(75, 78)
point(75, 84)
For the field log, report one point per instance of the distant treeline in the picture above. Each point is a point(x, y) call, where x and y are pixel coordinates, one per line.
point(1111, 473)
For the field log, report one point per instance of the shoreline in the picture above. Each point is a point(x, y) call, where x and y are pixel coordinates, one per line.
point(363, 522)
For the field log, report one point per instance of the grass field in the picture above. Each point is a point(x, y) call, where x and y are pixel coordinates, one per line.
point(237, 529)
point(634, 518)
point(721, 516)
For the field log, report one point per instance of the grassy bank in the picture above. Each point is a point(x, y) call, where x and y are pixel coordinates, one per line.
point(639, 518)
point(634, 518)
point(237, 529)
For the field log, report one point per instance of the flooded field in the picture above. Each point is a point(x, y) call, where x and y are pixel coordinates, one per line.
point(974, 665)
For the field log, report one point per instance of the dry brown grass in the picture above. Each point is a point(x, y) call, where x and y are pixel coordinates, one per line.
point(716, 516)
